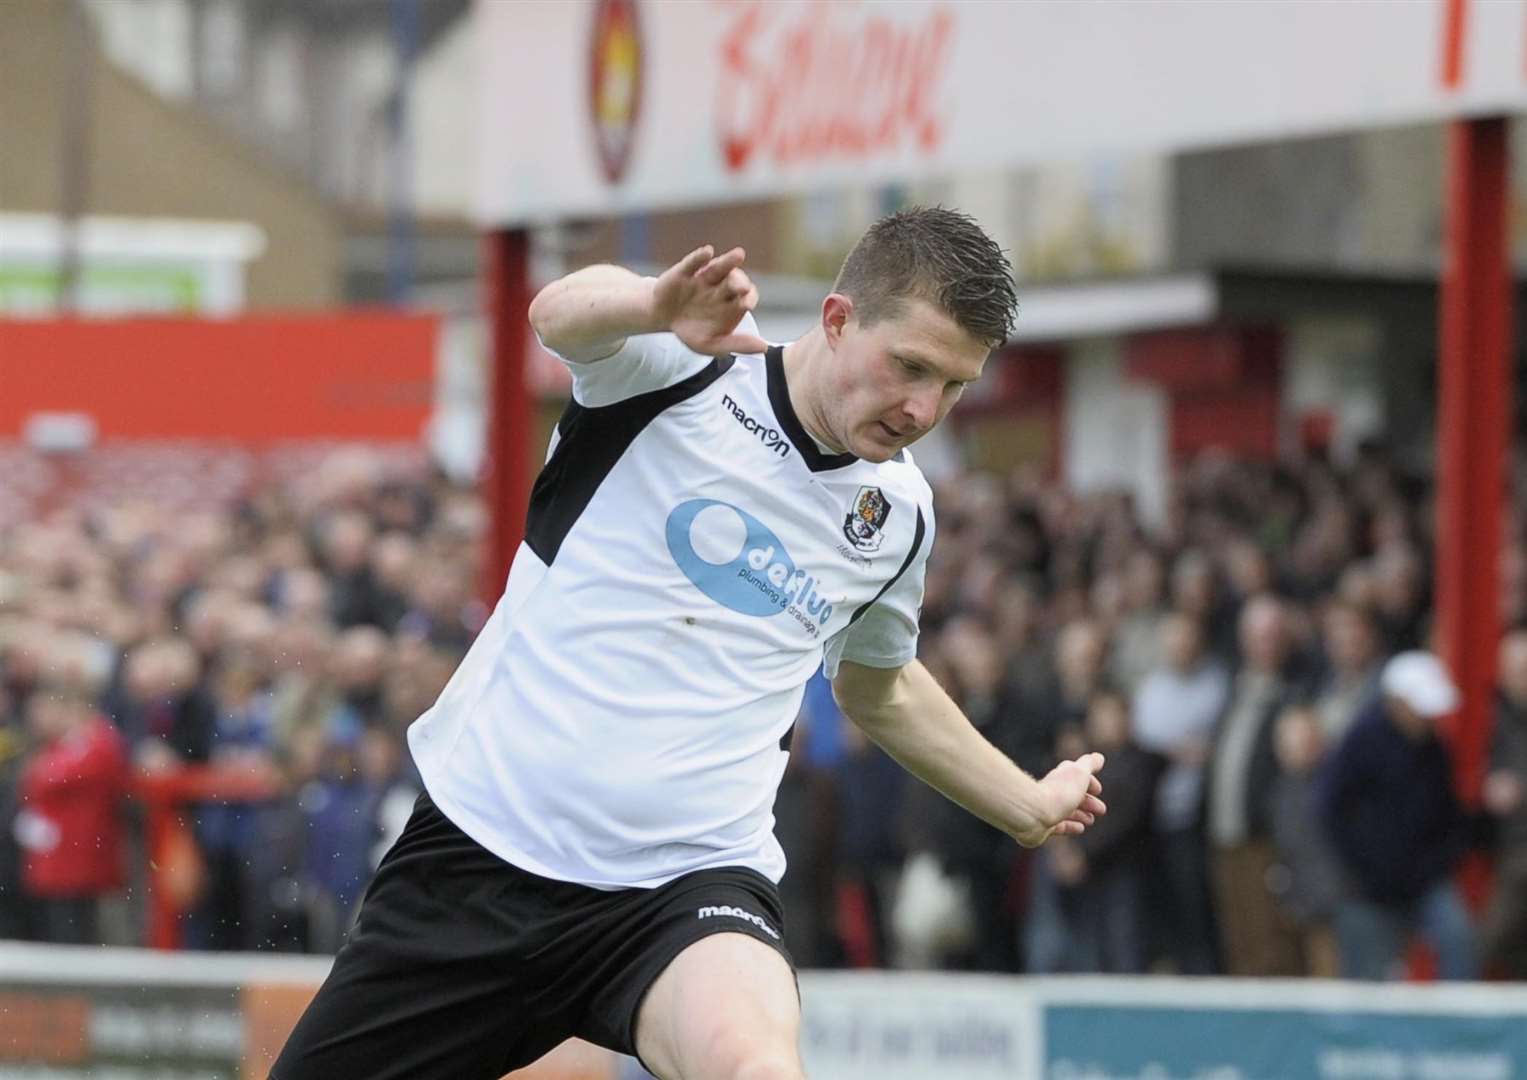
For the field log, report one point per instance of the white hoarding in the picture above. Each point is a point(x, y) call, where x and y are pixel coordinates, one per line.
point(599, 106)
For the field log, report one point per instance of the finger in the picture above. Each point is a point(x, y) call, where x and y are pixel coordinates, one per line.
point(715, 271)
point(743, 344)
point(737, 284)
point(749, 299)
point(1092, 762)
point(1081, 817)
point(1095, 786)
point(1067, 828)
point(1093, 805)
point(694, 260)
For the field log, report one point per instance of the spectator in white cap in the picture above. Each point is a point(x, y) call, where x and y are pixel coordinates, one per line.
point(1387, 802)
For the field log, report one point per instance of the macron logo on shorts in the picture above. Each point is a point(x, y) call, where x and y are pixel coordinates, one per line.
point(729, 912)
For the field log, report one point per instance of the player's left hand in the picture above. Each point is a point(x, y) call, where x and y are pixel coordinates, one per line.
point(1071, 800)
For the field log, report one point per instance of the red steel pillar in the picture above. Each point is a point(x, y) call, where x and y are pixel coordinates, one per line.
point(1474, 417)
point(506, 476)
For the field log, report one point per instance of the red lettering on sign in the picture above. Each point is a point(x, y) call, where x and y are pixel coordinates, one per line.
point(811, 82)
point(1454, 18)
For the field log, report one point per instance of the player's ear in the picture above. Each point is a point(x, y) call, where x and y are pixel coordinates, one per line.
point(837, 310)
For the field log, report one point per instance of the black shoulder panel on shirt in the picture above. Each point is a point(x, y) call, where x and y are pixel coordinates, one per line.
point(590, 442)
point(917, 542)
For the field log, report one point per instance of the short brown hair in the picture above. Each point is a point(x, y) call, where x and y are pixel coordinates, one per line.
point(937, 255)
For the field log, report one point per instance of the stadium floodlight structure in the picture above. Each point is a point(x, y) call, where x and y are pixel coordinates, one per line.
point(615, 106)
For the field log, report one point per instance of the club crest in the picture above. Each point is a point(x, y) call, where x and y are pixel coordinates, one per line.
point(866, 518)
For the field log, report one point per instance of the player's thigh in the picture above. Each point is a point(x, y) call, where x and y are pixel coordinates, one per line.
point(377, 1021)
point(429, 985)
point(726, 1007)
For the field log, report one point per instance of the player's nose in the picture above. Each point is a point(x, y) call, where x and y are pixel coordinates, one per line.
point(919, 411)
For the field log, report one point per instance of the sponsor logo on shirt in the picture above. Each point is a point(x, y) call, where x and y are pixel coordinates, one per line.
point(729, 912)
point(761, 579)
point(770, 437)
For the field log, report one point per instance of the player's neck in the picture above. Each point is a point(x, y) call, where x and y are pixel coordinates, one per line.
point(803, 359)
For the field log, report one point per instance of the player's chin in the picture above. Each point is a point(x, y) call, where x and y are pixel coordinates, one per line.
point(878, 445)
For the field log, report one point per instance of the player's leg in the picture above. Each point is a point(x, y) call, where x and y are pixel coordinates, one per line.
point(377, 1016)
point(726, 1008)
point(429, 985)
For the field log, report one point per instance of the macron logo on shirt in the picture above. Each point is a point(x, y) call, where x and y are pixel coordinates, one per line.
point(770, 437)
point(729, 912)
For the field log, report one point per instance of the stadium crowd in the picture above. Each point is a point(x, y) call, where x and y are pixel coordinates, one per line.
point(282, 639)
point(1253, 667)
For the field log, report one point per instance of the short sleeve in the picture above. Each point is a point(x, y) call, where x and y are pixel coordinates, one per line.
point(885, 636)
point(646, 362)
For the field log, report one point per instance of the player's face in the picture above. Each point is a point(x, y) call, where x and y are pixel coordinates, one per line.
point(892, 382)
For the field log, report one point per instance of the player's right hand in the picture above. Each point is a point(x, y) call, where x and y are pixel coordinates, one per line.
point(701, 299)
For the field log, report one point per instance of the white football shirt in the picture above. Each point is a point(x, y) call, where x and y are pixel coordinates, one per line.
point(691, 557)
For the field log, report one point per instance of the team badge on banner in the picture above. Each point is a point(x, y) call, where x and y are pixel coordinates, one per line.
point(615, 83)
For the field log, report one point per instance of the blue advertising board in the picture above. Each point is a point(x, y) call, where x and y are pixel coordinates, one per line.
point(1102, 1042)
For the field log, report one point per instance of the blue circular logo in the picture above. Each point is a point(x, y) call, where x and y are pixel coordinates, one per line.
point(760, 579)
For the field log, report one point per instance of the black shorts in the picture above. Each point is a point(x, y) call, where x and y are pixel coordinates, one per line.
point(461, 965)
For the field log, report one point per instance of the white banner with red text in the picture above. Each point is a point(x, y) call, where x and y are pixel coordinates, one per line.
point(592, 107)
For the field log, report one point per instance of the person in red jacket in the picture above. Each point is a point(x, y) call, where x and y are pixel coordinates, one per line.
point(69, 826)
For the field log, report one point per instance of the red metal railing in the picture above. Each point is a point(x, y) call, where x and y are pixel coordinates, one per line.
point(174, 863)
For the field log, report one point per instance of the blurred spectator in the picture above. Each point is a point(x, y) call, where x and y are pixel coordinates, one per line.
point(1307, 880)
point(359, 668)
point(394, 564)
point(1086, 912)
point(1033, 726)
point(160, 706)
point(69, 822)
point(1196, 592)
point(806, 823)
point(1353, 658)
point(341, 830)
point(1504, 935)
point(392, 786)
point(345, 542)
point(445, 610)
point(15, 905)
point(1242, 768)
point(244, 738)
point(1174, 717)
point(1026, 658)
point(1387, 803)
point(1137, 638)
point(1400, 595)
point(281, 897)
point(302, 695)
point(869, 792)
point(968, 850)
point(1324, 544)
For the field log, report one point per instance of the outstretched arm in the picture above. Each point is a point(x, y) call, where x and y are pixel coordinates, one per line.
point(908, 714)
point(588, 314)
